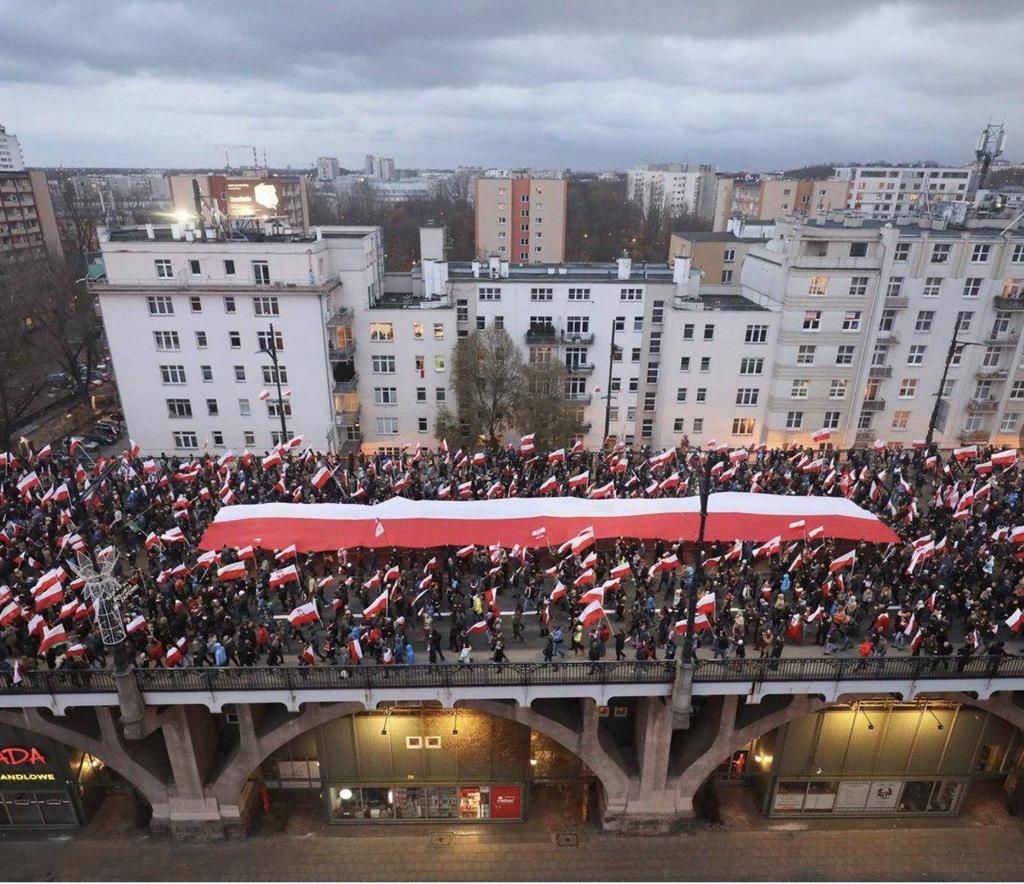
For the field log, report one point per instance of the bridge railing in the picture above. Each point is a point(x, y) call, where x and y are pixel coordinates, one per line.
point(858, 669)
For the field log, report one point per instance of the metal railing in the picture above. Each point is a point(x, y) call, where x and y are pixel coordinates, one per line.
point(60, 681)
point(858, 669)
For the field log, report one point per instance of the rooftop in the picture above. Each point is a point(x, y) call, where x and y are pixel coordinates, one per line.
point(578, 272)
point(173, 233)
point(717, 236)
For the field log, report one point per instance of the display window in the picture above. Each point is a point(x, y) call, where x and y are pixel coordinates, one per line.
point(382, 803)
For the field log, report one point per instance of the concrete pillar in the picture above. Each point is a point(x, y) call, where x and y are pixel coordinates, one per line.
point(682, 694)
point(133, 706)
point(652, 737)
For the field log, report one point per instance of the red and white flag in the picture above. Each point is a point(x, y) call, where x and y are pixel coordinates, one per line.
point(1016, 620)
point(284, 575)
point(843, 561)
point(232, 571)
point(967, 452)
point(700, 623)
point(548, 485)
point(321, 477)
point(306, 613)
point(52, 637)
point(821, 435)
point(591, 613)
point(479, 626)
point(375, 607)
point(135, 624)
point(288, 554)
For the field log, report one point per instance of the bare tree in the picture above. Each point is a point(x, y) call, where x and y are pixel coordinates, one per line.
point(543, 408)
point(487, 377)
point(23, 373)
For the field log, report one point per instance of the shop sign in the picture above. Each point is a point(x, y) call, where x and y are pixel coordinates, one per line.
point(884, 794)
point(25, 760)
point(16, 756)
point(506, 802)
point(853, 794)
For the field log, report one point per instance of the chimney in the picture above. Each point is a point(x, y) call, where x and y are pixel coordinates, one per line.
point(476, 269)
point(681, 271)
point(150, 232)
point(625, 265)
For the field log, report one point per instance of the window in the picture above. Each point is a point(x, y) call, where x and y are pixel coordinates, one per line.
point(194, 267)
point(265, 305)
point(940, 253)
point(837, 389)
point(635, 354)
point(229, 304)
point(908, 388)
point(631, 294)
point(185, 439)
point(212, 409)
point(421, 394)
point(273, 375)
point(743, 426)
point(980, 253)
point(264, 340)
point(817, 285)
point(649, 397)
point(195, 304)
point(438, 331)
point(684, 363)
point(705, 364)
point(579, 294)
point(541, 294)
point(901, 252)
point(812, 320)
point(747, 396)
point(421, 424)
point(702, 394)
point(1018, 253)
point(638, 323)
point(462, 310)
point(894, 287)
point(654, 344)
point(234, 340)
point(439, 394)
point(924, 320)
point(229, 268)
point(751, 365)
point(858, 249)
point(858, 285)
point(899, 419)
point(972, 286)
point(647, 427)
point(387, 426)
point(799, 388)
point(958, 353)
point(179, 408)
point(698, 425)
point(865, 420)
point(489, 293)
point(972, 423)
point(481, 323)
point(805, 354)
point(166, 340)
point(652, 372)
point(728, 255)
point(575, 357)
point(382, 331)
point(681, 394)
point(677, 425)
point(240, 374)
point(844, 354)
point(991, 357)
point(794, 420)
point(658, 312)
point(887, 321)
point(1009, 422)
point(385, 396)
point(540, 355)
point(524, 256)
point(916, 354)
point(634, 384)
point(261, 272)
point(880, 355)
point(163, 269)
point(201, 340)
point(160, 305)
point(1017, 390)
point(831, 420)
point(249, 437)
point(439, 363)
point(218, 438)
point(620, 323)
point(709, 332)
point(244, 408)
point(277, 407)
point(726, 276)
point(932, 286)
point(851, 321)
point(206, 373)
point(172, 374)
point(756, 334)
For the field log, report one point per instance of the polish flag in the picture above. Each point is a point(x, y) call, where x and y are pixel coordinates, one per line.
point(27, 483)
point(706, 604)
point(355, 650)
point(175, 654)
point(479, 626)
point(50, 578)
point(587, 578)
point(591, 560)
point(272, 460)
point(794, 526)
point(549, 484)
point(284, 575)
point(526, 444)
point(9, 614)
point(173, 536)
point(821, 435)
point(584, 540)
point(700, 623)
point(52, 637)
point(133, 450)
point(208, 558)
point(321, 477)
point(581, 479)
point(375, 607)
point(287, 554)
point(148, 467)
point(772, 547)
point(49, 597)
point(968, 452)
point(602, 492)
point(621, 570)
point(1016, 620)
point(539, 533)
point(556, 456)
point(596, 594)
point(844, 561)
point(135, 624)
point(263, 395)
point(591, 614)
point(246, 552)
point(232, 571)
point(558, 592)
point(465, 489)
point(734, 551)
point(306, 613)
point(465, 552)
point(1005, 458)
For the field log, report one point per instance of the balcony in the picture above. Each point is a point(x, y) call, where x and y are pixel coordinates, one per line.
point(577, 337)
point(350, 444)
point(888, 338)
point(880, 371)
point(580, 368)
point(992, 374)
point(1001, 303)
point(341, 354)
point(864, 437)
point(542, 336)
point(585, 426)
point(829, 262)
point(1007, 338)
point(348, 386)
point(347, 417)
point(583, 398)
point(897, 301)
point(982, 406)
point(681, 303)
point(968, 436)
point(341, 316)
point(873, 405)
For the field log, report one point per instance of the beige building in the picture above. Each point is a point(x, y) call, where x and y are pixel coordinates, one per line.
point(736, 197)
point(718, 254)
point(791, 196)
point(521, 219)
point(28, 226)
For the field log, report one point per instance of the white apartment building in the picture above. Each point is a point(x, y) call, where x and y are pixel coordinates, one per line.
point(677, 188)
point(11, 159)
point(327, 168)
point(894, 191)
point(868, 311)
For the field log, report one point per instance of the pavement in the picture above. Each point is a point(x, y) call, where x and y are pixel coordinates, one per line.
point(984, 844)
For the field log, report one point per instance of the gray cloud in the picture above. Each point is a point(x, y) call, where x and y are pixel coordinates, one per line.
point(589, 85)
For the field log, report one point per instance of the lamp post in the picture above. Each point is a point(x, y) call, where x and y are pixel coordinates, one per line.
point(954, 344)
point(608, 392)
point(704, 490)
point(271, 351)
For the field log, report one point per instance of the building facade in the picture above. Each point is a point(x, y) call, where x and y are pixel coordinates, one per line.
point(718, 255)
point(28, 224)
point(895, 191)
point(11, 159)
point(678, 189)
point(327, 168)
point(521, 219)
point(790, 196)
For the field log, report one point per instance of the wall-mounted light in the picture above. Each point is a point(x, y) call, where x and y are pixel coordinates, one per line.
point(455, 721)
point(871, 724)
point(941, 726)
point(533, 762)
point(387, 718)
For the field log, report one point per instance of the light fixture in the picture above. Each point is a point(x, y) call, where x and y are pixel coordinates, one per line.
point(871, 724)
point(345, 794)
point(759, 758)
point(941, 726)
point(533, 762)
point(455, 721)
point(387, 718)
point(391, 796)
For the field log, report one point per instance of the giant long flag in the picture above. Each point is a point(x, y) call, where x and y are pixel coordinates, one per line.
point(423, 524)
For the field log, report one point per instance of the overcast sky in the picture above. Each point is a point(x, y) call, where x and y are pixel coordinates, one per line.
point(744, 85)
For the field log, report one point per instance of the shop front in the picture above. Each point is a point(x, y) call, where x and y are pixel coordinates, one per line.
point(877, 758)
point(45, 785)
point(410, 764)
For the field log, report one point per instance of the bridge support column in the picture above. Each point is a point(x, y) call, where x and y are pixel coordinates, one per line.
point(682, 695)
point(133, 707)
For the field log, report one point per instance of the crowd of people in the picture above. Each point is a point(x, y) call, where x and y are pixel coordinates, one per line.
point(953, 588)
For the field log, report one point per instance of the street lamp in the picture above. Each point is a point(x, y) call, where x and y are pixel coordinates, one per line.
point(704, 490)
point(271, 350)
point(954, 345)
point(608, 396)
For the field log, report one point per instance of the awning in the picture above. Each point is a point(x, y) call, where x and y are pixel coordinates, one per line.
point(423, 524)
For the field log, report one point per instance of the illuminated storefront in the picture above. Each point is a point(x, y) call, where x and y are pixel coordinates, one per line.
point(877, 758)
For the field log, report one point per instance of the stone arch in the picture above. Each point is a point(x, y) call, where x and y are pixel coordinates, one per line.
point(108, 747)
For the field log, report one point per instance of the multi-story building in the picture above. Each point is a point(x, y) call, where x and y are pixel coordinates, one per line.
point(718, 255)
point(678, 189)
point(893, 191)
point(11, 159)
point(233, 197)
point(327, 168)
point(793, 196)
point(736, 196)
point(521, 218)
point(28, 225)
point(379, 167)
point(868, 313)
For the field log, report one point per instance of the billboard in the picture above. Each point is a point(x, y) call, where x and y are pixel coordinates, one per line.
point(254, 197)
